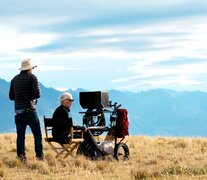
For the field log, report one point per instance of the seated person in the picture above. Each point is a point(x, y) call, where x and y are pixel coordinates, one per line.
point(63, 122)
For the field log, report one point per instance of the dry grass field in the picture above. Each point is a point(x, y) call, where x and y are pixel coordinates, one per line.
point(151, 158)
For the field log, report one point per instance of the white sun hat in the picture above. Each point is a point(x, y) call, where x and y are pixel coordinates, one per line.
point(26, 65)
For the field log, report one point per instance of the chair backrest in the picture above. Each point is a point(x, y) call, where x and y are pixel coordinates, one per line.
point(48, 122)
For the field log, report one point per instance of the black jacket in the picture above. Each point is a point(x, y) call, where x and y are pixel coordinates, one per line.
point(24, 90)
point(61, 123)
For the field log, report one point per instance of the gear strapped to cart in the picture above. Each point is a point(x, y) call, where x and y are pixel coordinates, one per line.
point(99, 111)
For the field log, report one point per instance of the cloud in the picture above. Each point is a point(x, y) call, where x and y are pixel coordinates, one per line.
point(124, 45)
point(47, 68)
point(12, 41)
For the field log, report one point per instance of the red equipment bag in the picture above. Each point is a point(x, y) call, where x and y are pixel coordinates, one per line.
point(122, 123)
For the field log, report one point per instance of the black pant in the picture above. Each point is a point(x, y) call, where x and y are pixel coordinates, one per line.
point(31, 119)
point(88, 137)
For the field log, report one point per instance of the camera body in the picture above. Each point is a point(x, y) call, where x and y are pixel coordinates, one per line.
point(94, 99)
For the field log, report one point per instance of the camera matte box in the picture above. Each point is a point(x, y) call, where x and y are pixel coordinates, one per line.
point(94, 99)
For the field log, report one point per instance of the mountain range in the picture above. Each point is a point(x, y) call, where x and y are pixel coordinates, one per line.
point(157, 112)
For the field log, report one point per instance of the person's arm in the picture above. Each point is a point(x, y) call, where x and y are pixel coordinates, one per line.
point(35, 88)
point(11, 92)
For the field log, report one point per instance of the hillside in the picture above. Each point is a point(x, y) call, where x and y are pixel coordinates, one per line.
point(151, 157)
point(155, 112)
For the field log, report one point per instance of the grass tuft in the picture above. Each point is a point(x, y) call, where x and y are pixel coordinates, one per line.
point(11, 162)
point(181, 144)
point(50, 159)
point(140, 174)
point(41, 167)
point(191, 171)
point(1, 172)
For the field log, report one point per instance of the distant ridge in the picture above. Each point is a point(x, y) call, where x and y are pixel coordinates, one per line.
point(157, 112)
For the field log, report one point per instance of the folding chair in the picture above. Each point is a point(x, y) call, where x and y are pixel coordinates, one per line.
point(62, 150)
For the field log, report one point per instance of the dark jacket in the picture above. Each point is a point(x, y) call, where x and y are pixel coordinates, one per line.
point(61, 123)
point(24, 90)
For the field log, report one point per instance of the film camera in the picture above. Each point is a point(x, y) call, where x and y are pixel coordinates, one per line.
point(97, 104)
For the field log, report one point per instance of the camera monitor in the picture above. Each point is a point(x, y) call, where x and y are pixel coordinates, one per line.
point(94, 99)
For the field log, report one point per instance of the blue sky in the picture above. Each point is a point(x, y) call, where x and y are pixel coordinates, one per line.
point(128, 45)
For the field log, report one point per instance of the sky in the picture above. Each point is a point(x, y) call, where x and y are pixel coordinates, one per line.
point(127, 45)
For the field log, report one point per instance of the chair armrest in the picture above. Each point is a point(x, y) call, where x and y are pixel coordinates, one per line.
point(72, 131)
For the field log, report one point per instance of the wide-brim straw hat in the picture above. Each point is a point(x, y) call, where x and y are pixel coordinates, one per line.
point(26, 65)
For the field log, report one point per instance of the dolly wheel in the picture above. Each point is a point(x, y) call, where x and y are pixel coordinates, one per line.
point(121, 152)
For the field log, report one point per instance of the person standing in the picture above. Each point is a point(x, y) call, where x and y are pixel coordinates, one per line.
point(24, 91)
